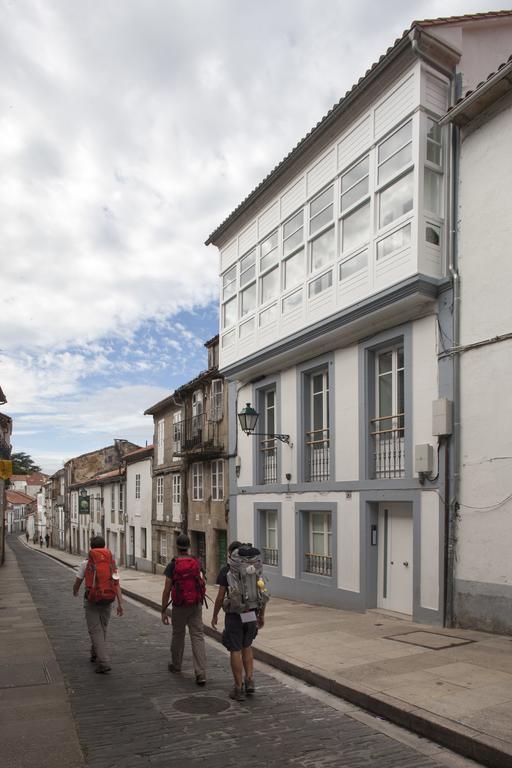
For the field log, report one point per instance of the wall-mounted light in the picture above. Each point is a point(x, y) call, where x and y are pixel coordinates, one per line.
point(248, 418)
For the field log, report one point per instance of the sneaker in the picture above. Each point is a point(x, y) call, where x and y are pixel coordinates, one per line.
point(238, 694)
point(249, 685)
point(200, 680)
point(102, 669)
point(172, 668)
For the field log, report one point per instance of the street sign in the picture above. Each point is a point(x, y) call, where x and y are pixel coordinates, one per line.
point(5, 469)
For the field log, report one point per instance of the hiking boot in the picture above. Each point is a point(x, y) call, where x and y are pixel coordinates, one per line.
point(172, 668)
point(200, 680)
point(249, 685)
point(102, 669)
point(237, 694)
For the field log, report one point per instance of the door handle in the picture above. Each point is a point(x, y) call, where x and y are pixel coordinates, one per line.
point(406, 563)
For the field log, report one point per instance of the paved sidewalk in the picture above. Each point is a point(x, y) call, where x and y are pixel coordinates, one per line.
point(451, 686)
point(37, 727)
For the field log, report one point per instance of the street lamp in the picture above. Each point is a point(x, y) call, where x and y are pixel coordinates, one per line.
point(248, 418)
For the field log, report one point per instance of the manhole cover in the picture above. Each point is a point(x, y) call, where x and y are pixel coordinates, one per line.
point(431, 640)
point(201, 705)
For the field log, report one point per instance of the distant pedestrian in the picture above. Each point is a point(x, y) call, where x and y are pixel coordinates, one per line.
point(34, 539)
point(47, 539)
point(185, 587)
point(102, 588)
point(27, 536)
point(243, 595)
point(41, 542)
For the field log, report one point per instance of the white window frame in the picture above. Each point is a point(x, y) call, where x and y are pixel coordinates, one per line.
point(177, 431)
point(197, 481)
point(271, 528)
point(137, 486)
point(324, 529)
point(176, 489)
point(160, 441)
point(217, 399)
point(217, 472)
point(160, 490)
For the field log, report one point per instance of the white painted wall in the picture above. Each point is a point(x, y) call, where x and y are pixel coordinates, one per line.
point(485, 526)
point(346, 413)
point(424, 380)
point(139, 510)
point(348, 542)
point(429, 566)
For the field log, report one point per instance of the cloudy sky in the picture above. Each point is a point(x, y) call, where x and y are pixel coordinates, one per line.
point(129, 129)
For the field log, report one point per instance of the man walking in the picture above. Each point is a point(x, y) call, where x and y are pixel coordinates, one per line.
point(102, 589)
point(47, 539)
point(185, 588)
point(240, 628)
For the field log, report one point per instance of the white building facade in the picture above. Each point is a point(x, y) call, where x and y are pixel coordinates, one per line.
point(138, 508)
point(336, 303)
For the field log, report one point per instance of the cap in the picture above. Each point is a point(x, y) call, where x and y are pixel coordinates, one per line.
point(183, 541)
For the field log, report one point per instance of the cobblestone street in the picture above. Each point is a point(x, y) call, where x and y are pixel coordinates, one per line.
point(140, 715)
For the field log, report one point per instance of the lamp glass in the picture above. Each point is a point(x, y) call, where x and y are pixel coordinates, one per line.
point(248, 418)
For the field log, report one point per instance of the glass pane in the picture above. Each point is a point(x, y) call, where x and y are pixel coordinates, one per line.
point(229, 283)
point(397, 140)
point(353, 265)
point(399, 239)
point(318, 383)
point(294, 269)
point(394, 164)
point(317, 522)
point(357, 192)
point(320, 202)
point(385, 396)
point(396, 200)
point(271, 539)
point(247, 276)
point(292, 224)
point(320, 284)
point(292, 302)
point(229, 313)
point(248, 260)
point(270, 259)
point(433, 153)
point(318, 543)
point(432, 191)
point(269, 244)
point(355, 174)
point(433, 234)
point(268, 315)
point(321, 219)
point(248, 300)
point(291, 243)
point(246, 328)
point(271, 398)
point(385, 362)
point(269, 285)
point(318, 415)
point(356, 228)
point(322, 250)
point(400, 357)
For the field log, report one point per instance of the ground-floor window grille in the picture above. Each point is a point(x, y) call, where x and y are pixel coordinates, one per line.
point(268, 453)
point(270, 550)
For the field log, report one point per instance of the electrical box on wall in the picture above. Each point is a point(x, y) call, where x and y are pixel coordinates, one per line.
point(442, 417)
point(423, 459)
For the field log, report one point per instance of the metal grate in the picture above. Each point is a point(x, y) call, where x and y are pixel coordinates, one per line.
point(318, 564)
point(388, 446)
point(270, 556)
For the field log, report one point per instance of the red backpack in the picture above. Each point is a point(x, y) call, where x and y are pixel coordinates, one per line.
point(99, 581)
point(188, 587)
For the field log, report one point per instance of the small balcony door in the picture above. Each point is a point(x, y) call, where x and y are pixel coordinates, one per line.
point(268, 447)
point(388, 427)
point(317, 431)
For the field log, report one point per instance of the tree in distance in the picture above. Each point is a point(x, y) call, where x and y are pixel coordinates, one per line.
point(23, 464)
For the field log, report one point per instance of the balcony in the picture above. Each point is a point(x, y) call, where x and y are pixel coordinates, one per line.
point(270, 556)
point(268, 457)
point(197, 436)
point(387, 437)
point(320, 565)
point(317, 453)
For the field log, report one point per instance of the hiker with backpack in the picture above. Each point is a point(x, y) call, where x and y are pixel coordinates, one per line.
point(102, 588)
point(243, 595)
point(185, 589)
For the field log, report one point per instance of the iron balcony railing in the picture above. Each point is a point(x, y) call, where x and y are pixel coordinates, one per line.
point(197, 434)
point(270, 556)
point(387, 435)
point(321, 565)
point(317, 453)
point(268, 453)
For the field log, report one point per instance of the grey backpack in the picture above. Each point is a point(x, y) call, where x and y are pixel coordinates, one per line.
point(247, 590)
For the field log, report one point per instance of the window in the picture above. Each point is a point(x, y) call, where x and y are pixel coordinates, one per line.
point(267, 445)
point(318, 557)
point(354, 265)
point(121, 502)
point(291, 302)
point(320, 284)
point(159, 490)
point(229, 283)
point(294, 269)
point(248, 268)
point(176, 489)
point(247, 328)
point(229, 313)
point(112, 503)
point(293, 233)
point(228, 339)
point(143, 543)
point(388, 426)
point(197, 481)
point(394, 154)
point(197, 414)
point(396, 200)
point(321, 210)
point(160, 442)
point(217, 480)
point(269, 252)
point(248, 300)
point(137, 486)
point(163, 547)
point(433, 191)
point(434, 143)
point(433, 234)
point(217, 405)
point(317, 426)
point(355, 184)
point(269, 285)
point(268, 315)
point(270, 551)
point(322, 250)
point(394, 242)
point(177, 425)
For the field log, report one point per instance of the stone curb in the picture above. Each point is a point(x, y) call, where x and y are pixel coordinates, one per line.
point(483, 749)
